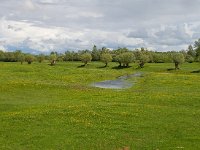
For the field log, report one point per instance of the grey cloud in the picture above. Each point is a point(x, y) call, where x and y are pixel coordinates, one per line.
point(130, 18)
point(196, 35)
point(10, 27)
point(140, 33)
point(173, 35)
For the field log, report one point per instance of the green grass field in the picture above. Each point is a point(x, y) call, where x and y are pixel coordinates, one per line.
point(54, 107)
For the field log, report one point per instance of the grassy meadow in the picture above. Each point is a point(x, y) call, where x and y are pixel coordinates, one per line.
point(54, 107)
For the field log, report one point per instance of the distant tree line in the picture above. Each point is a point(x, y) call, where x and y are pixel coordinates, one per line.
point(122, 56)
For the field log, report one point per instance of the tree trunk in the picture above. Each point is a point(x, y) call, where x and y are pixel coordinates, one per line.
point(141, 64)
point(176, 65)
point(53, 62)
point(106, 65)
point(120, 64)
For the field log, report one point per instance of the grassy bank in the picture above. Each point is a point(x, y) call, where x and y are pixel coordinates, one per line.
point(54, 107)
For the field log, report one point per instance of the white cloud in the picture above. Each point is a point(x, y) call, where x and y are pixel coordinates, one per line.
point(58, 38)
point(29, 5)
point(2, 48)
point(44, 25)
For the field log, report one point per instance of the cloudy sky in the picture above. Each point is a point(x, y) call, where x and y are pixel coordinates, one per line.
point(46, 25)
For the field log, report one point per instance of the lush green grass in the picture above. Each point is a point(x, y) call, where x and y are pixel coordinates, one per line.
point(45, 107)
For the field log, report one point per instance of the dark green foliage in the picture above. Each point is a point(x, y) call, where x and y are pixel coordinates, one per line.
point(198, 59)
point(161, 57)
point(95, 54)
point(9, 57)
point(191, 51)
point(189, 59)
point(197, 47)
point(2, 56)
point(71, 56)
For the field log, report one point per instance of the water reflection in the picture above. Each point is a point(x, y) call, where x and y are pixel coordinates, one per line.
point(119, 83)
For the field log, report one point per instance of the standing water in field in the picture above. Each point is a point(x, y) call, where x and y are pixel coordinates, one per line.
point(119, 83)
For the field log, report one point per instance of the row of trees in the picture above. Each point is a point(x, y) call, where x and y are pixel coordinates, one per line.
point(123, 56)
point(18, 56)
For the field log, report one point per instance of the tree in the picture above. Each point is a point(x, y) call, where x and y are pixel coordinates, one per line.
point(53, 58)
point(85, 58)
point(21, 58)
point(191, 51)
point(95, 53)
point(29, 58)
point(142, 58)
point(125, 59)
point(104, 50)
point(70, 56)
point(2, 56)
point(106, 58)
point(158, 57)
point(189, 58)
point(198, 59)
point(17, 55)
point(41, 58)
point(197, 47)
point(177, 58)
point(9, 57)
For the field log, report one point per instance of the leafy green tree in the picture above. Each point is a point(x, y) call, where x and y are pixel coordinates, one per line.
point(41, 58)
point(104, 50)
point(118, 59)
point(142, 59)
point(21, 58)
point(177, 58)
point(125, 59)
point(70, 56)
point(191, 51)
point(198, 59)
point(106, 58)
point(189, 59)
point(85, 58)
point(29, 58)
point(158, 57)
point(161, 57)
point(17, 55)
point(197, 47)
point(53, 58)
point(60, 58)
point(2, 56)
point(95, 54)
point(10, 57)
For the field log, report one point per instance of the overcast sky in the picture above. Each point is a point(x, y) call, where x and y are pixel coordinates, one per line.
point(46, 25)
